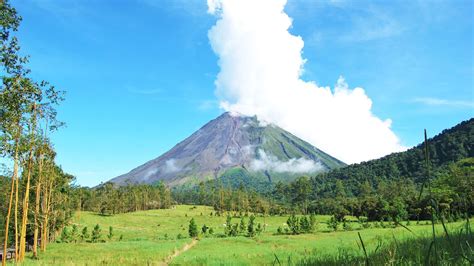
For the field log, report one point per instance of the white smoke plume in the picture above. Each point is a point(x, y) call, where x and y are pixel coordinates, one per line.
point(170, 166)
point(260, 68)
point(271, 163)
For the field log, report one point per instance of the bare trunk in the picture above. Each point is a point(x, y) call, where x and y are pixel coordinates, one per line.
point(26, 198)
point(37, 206)
point(7, 223)
point(16, 217)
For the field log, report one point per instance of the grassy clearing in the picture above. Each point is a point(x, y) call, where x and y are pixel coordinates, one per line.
point(149, 237)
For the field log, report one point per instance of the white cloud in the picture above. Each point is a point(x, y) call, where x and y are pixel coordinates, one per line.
point(271, 163)
point(260, 68)
point(444, 102)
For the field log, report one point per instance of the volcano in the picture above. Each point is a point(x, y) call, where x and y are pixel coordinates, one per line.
point(233, 143)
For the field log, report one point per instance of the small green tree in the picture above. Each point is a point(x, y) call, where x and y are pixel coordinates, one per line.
point(192, 229)
point(96, 234)
point(293, 224)
point(74, 233)
point(228, 225)
point(259, 229)
point(235, 230)
point(251, 226)
point(312, 223)
point(85, 234)
point(111, 233)
point(242, 225)
point(204, 229)
point(65, 235)
point(333, 223)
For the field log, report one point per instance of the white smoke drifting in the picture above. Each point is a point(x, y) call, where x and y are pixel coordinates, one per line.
point(260, 68)
point(271, 163)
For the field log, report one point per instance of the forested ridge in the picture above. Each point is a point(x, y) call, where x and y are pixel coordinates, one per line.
point(383, 189)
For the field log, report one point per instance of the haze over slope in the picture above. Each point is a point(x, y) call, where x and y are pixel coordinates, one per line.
point(232, 141)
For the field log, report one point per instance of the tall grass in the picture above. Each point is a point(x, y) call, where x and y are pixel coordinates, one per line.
point(455, 249)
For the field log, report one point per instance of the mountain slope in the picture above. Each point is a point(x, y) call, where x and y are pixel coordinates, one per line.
point(232, 141)
point(448, 147)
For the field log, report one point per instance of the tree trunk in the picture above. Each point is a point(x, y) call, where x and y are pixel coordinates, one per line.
point(16, 217)
point(37, 206)
point(7, 223)
point(26, 197)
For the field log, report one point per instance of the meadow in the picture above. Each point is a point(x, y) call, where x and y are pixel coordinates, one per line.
point(157, 237)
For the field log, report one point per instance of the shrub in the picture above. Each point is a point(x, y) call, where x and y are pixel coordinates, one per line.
point(242, 225)
point(85, 234)
point(96, 234)
point(65, 235)
point(333, 223)
point(204, 229)
point(250, 227)
point(279, 230)
point(346, 226)
point(111, 233)
point(192, 229)
point(74, 233)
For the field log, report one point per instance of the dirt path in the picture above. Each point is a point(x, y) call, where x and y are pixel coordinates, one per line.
point(179, 252)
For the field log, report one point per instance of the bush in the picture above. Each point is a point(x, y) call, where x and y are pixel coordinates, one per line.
point(85, 234)
point(96, 234)
point(250, 227)
point(333, 223)
point(192, 229)
point(65, 235)
point(242, 225)
point(347, 226)
point(279, 230)
point(111, 233)
point(204, 229)
point(74, 233)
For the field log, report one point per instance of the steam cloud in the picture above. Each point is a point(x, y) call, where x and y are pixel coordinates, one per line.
point(260, 68)
point(271, 163)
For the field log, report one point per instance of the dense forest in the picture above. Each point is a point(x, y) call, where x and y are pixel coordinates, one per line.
point(389, 188)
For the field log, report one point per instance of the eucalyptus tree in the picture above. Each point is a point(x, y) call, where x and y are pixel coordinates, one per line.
point(22, 103)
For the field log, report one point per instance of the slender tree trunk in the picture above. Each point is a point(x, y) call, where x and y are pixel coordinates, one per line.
point(16, 217)
point(46, 216)
point(37, 205)
point(45, 211)
point(38, 194)
point(7, 223)
point(26, 197)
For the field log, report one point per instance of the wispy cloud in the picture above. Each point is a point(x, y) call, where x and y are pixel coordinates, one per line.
point(443, 102)
point(372, 25)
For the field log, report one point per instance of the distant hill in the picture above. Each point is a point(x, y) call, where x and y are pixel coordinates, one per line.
point(449, 146)
point(233, 146)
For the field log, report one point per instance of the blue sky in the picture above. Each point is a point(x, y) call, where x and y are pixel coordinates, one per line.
point(139, 74)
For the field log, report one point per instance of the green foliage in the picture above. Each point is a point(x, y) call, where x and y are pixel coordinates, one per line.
point(65, 235)
point(192, 229)
point(74, 233)
point(251, 226)
point(85, 234)
point(333, 223)
point(96, 234)
point(242, 225)
point(111, 233)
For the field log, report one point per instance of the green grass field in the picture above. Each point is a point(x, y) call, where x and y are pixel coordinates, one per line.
point(150, 238)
